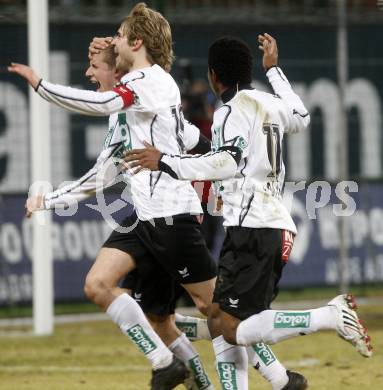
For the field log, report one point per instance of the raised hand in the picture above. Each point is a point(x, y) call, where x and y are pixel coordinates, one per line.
point(98, 44)
point(25, 71)
point(34, 203)
point(268, 45)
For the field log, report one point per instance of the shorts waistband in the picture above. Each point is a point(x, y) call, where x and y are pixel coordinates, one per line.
point(170, 220)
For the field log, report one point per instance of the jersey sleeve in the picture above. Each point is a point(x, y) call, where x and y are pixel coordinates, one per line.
point(101, 175)
point(219, 165)
point(299, 117)
point(191, 135)
point(231, 138)
point(86, 102)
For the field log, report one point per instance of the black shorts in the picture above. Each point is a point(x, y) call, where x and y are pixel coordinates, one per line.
point(156, 292)
point(249, 269)
point(130, 280)
point(167, 252)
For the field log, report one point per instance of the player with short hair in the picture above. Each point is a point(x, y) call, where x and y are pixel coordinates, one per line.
point(102, 71)
point(248, 132)
point(146, 105)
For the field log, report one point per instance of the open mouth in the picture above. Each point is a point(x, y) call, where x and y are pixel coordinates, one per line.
point(97, 84)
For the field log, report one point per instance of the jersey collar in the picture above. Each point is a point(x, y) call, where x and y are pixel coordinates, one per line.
point(231, 92)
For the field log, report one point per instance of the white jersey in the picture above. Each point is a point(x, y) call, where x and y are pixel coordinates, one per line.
point(154, 116)
point(248, 135)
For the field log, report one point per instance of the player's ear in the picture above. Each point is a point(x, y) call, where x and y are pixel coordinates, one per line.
point(137, 44)
point(212, 76)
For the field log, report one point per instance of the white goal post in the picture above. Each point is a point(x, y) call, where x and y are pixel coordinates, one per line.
point(42, 267)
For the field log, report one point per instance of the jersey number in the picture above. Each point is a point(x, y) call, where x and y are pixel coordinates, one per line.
point(180, 126)
point(274, 148)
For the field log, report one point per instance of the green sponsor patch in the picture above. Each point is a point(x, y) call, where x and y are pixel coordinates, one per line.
point(264, 353)
point(141, 339)
point(189, 328)
point(227, 375)
point(199, 373)
point(240, 143)
point(285, 319)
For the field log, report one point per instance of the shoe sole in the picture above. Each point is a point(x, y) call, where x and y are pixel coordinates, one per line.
point(362, 344)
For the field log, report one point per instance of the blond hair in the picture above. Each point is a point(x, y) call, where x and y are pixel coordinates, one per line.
point(154, 30)
point(109, 56)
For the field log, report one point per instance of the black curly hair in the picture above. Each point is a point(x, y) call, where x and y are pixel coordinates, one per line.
point(231, 60)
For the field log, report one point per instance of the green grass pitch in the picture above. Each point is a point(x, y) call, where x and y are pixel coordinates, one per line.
point(95, 355)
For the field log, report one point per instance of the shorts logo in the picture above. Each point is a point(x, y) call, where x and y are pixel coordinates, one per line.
point(264, 353)
point(233, 303)
point(227, 376)
point(189, 328)
point(285, 319)
point(184, 272)
point(141, 339)
point(137, 297)
point(199, 373)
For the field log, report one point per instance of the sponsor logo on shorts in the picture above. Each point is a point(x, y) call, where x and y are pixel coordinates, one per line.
point(199, 373)
point(264, 353)
point(184, 272)
point(137, 297)
point(189, 328)
point(292, 320)
point(141, 339)
point(233, 303)
point(227, 376)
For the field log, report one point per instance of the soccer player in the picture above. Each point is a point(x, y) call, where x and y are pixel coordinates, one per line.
point(248, 132)
point(102, 71)
point(196, 328)
point(146, 106)
point(100, 282)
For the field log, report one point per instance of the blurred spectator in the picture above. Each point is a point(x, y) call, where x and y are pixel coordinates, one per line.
point(198, 104)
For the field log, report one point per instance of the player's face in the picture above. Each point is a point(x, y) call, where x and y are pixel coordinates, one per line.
point(124, 59)
point(99, 73)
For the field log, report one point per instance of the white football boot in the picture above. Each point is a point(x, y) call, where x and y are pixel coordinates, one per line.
point(349, 326)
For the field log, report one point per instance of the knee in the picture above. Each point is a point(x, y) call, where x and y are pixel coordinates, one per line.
point(158, 322)
point(214, 312)
point(203, 308)
point(202, 305)
point(229, 333)
point(94, 289)
point(157, 319)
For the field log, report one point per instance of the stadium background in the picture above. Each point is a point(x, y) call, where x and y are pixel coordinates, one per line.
point(306, 33)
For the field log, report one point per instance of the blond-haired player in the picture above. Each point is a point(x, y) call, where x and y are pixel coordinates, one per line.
point(147, 104)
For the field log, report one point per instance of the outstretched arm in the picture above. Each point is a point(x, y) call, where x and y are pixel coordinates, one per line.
point(77, 100)
point(101, 175)
point(298, 114)
point(219, 165)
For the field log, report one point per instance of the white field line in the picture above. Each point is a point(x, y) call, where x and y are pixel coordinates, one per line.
point(61, 319)
point(310, 362)
point(110, 368)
